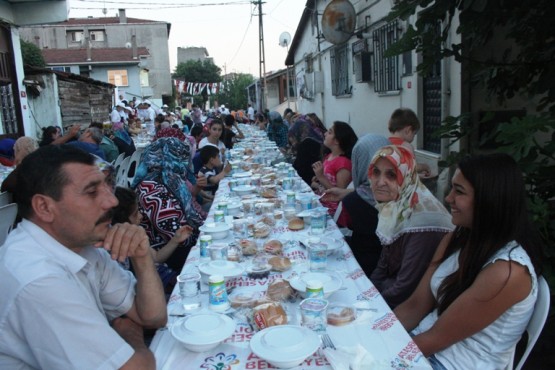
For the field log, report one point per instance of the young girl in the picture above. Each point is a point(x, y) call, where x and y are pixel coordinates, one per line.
point(478, 294)
point(214, 135)
point(127, 210)
point(336, 168)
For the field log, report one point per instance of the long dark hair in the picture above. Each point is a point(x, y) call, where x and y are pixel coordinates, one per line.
point(500, 215)
point(345, 136)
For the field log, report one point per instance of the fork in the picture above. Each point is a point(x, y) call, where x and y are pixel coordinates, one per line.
point(326, 341)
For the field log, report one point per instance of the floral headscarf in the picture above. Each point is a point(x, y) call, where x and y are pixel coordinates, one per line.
point(166, 161)
point(119, 131)
point(416, 209)
point(303, 128)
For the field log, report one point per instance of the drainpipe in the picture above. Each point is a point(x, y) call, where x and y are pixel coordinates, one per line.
point(134, 46)
point(89, 51)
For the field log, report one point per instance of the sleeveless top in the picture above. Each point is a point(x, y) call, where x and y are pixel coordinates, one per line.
point(493, 346)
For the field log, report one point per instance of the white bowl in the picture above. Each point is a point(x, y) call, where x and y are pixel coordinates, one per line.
point(216, 230)
point(285, 346)
point(331, 281)
point(228, 269)
point(233, 208)
point(244, 189)
point(203, 331)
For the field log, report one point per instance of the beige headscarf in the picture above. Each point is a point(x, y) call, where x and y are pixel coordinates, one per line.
point(416, 209)
point(23, 147)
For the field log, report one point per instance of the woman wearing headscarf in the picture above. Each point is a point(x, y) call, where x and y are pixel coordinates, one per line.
point(306, 147)
point(277, 130)
point(411, 223)
point(122, 139)
point(359, 203)
point(166, 192)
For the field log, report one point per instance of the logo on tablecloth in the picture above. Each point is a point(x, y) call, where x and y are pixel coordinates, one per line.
point(368, 294)
point(411, 353)
point(356, 274)
point(385, 322)
point(220, 361)
point(255, 362)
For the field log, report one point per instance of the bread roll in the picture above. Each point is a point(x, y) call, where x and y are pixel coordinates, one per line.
point(261, 230)
point(273, 246)
point(269, 314)
point(341, 316)
point(248, 247)
point(296, 224)
point(279, 290)
point(280, 263)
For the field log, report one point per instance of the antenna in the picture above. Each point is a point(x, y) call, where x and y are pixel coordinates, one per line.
point(284, 39)
point(338, 21)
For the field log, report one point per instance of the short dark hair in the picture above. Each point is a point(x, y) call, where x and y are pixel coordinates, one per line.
point(207, 152)
point(345, 136)
point(127, 203)
point(196, 130)
point(401, 118)
point(41, 172)
point(229, 120)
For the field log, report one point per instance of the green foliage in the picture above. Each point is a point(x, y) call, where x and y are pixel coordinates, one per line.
point(31, 54)
point(198, 71)
point(234, 94)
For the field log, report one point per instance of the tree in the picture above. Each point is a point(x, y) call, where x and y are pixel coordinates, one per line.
point(524, 69)
point(235, 94)
point(198, 71)
point(31, 54)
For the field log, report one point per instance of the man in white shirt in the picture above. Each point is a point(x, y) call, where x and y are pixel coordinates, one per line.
point(117, 115)
point(151, 113)
point(66, 303)
point(250, 113)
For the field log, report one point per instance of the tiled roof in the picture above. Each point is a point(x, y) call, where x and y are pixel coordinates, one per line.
point(107, 20)
point(98, 55)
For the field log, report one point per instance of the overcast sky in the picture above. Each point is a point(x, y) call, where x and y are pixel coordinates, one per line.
point(228, 29)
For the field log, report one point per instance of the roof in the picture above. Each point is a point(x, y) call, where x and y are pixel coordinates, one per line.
point(31, 71)
point(99, 21)
point(98, 55)
point(307, 13)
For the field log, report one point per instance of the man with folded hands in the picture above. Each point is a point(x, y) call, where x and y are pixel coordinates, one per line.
point(66, 303)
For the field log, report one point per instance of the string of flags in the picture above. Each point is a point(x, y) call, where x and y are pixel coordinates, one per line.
point(197, 88)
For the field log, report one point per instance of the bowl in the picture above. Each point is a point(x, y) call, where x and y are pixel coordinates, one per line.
point(218, 230)
point(331, 281)
point(228, 269)
point(234, 209)
point(203, 331)
point(244, 189)
point(285, 346)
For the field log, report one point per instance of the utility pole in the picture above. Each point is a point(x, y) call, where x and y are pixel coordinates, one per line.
point(261, 58)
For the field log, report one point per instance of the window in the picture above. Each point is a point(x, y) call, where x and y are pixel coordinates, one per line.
point(97, 35)
point(118, 77)
point(309, 63)
point(143, 77)
point(61, 69)
point(386, 69)
point(77, 36)
point(339, 70)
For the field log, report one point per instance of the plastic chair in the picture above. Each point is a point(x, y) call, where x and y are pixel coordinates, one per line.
point(537, 321)
point(133, 164)
point(118, 160)
point(121, 174)
point(5, 198)
point(8, 213)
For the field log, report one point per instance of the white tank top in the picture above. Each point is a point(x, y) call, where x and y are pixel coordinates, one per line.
point(492, 347)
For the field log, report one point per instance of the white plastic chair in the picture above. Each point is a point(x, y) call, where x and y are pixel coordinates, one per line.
point(537, 321)
point(8, 213)
point(132, 167)
point(121, 174)
point(5, 198)
point(118, 160)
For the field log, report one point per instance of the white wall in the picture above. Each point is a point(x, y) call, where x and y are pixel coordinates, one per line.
point(44, 110)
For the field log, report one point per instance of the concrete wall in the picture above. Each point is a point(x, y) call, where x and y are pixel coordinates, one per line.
point(44, 109)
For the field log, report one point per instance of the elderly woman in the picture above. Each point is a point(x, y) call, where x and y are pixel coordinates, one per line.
point(359, 203)
point(22, 147)
point(411, 223)
point(166, 195)
point(277, 130)
point(306, 147)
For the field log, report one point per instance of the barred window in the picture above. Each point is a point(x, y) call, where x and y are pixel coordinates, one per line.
point(386, 69)
point(339, 58)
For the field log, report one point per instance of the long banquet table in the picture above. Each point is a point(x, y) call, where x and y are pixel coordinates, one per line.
point(376, 329)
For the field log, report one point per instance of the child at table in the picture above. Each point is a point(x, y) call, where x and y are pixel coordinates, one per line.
point(403, 126)
point(127, 210)
point(212, 168)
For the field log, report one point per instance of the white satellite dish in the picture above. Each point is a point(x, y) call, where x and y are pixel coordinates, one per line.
point(338, 21)
point(128, 45)
point(284, 39)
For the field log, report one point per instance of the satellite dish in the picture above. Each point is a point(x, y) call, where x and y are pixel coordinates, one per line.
point(338, 21)
point(284, 39)
point(128, 45)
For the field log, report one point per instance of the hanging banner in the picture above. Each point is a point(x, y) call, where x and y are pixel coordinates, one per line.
point(197, 88)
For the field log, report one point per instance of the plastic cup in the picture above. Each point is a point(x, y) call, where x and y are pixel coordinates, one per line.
point(318, 222)
point(317, 255)
point(217, 252)
point(189, 290)
point(313, 314)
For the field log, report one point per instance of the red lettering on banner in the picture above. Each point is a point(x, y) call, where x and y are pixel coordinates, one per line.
point(410, 352)
point(385, 322)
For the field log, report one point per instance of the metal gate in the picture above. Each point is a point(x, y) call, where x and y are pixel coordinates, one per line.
point(8, 109)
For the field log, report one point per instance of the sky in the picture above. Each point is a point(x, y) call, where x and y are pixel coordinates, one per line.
point(228, 29)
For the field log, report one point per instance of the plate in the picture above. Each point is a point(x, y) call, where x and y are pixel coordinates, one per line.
point(285, 346)
point(332, 244)
point(242, 174)
point(331, 281)
point(214, 227)
point(221, 267)
point(244, 189)
point(203, 331)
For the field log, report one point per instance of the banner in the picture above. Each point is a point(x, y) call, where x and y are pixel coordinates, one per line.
point(197, 88)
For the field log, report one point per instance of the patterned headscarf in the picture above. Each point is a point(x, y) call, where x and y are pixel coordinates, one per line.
point(119, 132)
point(303, 128)
point(416, 209)
point(363, 151)
point(166, 161)
point(170, 132)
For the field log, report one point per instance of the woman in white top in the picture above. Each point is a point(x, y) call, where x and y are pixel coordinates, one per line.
point(476, 298)
point(213, 138)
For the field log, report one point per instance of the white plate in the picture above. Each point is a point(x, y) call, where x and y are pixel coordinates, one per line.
point(242, 174)
point(221, 267)
point(216, 228)
point(244, 189)
point(203, 331)
point(285, 346)
point(331, 281)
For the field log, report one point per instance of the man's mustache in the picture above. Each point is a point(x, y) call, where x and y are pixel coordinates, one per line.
point(106, 217)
